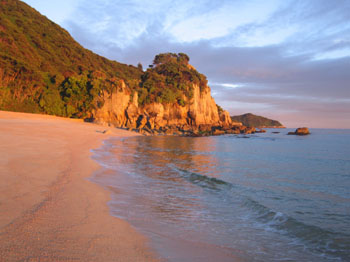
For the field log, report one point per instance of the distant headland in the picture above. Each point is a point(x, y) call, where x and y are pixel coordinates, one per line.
point(251, 120)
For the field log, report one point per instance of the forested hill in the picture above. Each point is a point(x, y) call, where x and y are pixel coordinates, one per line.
point(41, 65)
point(251, 120)
point(44, 70)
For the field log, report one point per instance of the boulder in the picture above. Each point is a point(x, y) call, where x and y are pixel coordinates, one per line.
point(249, 130)
point(173, 132)
point(301, 131)
point(234, 131)
point(218, 132)
point(205, 128)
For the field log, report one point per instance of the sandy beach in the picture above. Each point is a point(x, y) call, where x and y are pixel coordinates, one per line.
point(49, 211)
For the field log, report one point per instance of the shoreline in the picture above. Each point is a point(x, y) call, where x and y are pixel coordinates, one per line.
point(127, 191)
point(50, 210)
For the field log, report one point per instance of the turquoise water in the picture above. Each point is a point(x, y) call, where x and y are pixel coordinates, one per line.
point(269, 197)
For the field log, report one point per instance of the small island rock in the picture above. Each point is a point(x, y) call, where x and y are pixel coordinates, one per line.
point(301, 131)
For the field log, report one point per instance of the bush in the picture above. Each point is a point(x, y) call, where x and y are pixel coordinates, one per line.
point(170, 79)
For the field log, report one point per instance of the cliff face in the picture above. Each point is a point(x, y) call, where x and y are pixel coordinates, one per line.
point(114, 108)
point(121, 109)
point(202, 109)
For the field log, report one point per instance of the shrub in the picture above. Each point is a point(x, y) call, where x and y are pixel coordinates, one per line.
point(170, 79)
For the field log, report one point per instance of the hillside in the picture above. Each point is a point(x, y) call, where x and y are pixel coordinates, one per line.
point(44, 70)
point(251, 120)
point(42, 66)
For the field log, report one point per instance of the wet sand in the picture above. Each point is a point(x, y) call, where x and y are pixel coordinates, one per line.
point(49, 211)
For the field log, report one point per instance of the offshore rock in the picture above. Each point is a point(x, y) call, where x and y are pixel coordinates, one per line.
point(301, 131)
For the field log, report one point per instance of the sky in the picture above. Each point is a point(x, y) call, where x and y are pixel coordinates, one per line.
point(288, 60)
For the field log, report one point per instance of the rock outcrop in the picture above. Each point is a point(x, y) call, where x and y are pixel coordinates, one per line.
point(113, 111)
point(301, 131)
point(199, 116)
point(121, 109)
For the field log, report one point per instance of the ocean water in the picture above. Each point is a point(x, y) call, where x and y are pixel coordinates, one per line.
point(262, 197)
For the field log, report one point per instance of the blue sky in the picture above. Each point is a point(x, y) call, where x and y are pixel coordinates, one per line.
point(284, 59)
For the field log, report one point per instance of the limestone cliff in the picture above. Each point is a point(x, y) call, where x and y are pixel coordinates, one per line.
point(121, 109)
point(172, 96)
point(113, 111)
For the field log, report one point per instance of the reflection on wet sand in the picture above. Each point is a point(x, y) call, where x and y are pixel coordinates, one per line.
point(155, 157)
point(160, 193)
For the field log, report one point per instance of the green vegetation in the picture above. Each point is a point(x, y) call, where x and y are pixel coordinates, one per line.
point(44, 70)
point(170, 80)
point(251, 120)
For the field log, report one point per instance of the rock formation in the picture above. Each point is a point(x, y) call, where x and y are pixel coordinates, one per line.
point(199, 116)
point(301, 131)
point(172, 98)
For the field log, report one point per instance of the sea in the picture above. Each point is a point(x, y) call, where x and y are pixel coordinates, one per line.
point(260, 197)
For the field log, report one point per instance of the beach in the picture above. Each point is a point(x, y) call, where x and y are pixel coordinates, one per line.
point(75, 191)
point(49, 210)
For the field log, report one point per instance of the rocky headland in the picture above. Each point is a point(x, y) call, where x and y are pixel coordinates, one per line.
point(198, 117)
point(256, 121)
point(44, 70)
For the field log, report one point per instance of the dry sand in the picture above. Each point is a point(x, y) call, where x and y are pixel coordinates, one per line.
point(49, 211)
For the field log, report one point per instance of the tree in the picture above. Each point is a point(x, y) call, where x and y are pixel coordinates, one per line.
point(183, 58)
point(164, 58)
point(170, 80)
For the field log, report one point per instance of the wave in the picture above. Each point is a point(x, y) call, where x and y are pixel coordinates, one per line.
point(229, 200)
point(319, 241)
point(208, 182)
point(316, 239)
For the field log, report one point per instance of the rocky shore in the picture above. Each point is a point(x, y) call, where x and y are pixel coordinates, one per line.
point(201, 130)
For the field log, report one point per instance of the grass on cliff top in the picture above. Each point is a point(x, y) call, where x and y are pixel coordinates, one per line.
point(170, 80)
